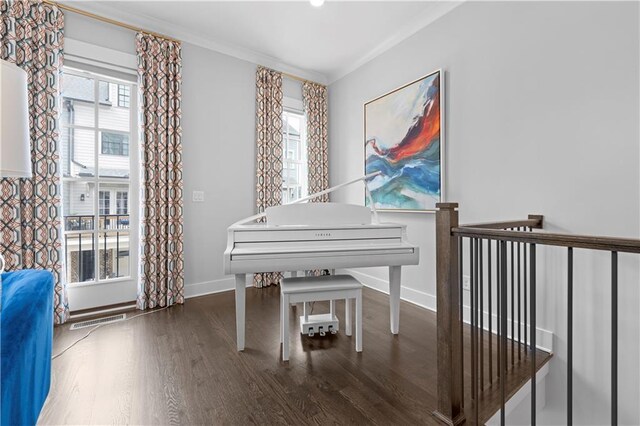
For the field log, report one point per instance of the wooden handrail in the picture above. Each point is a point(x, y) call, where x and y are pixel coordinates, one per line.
point(534, 221)
point(623, 245)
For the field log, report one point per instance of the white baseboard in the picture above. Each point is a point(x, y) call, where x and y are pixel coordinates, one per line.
point(210, 287)
point(420, 298)
point(544, 338)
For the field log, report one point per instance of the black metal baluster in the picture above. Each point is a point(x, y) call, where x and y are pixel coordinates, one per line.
point(614, 338)
point(475, 328)
point(117, 254)
point(499, 305)
point(526, 342)
point(481, 313)
point(570, 337)
point(93, 253)
point(489, 285)
point(519, 304)
point(80, 257)
point(472, 316)
point(513, 307)
point(105, 256)
point(503, 322)
point(461, 308)
point(532, 282)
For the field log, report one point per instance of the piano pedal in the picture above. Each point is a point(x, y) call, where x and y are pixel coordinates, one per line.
point(322, 324)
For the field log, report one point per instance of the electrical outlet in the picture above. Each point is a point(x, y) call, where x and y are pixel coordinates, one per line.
point(466, 282)
point(198, 196)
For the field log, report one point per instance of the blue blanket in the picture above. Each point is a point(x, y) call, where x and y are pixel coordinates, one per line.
point(26, 331)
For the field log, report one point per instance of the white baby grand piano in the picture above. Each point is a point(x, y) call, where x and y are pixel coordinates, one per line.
point(298, 237)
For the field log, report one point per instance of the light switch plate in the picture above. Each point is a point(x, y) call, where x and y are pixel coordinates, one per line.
point(198, 196)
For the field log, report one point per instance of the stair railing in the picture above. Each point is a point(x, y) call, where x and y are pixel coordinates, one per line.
point(513, 245)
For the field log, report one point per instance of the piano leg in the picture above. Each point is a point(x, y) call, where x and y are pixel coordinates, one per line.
point(241, 286)
point(347, 317)
point(394, 297)
point(285, 328)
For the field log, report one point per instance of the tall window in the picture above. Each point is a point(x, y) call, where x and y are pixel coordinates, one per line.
point(97, 127)
point(294, 161)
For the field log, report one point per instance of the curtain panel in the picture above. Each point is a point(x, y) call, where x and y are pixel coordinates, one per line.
point(315, 104)
point(161, 281)
point(269, 151)
point(32, 36)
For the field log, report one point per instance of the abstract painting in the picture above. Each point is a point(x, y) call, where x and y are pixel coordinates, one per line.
point(404, 142)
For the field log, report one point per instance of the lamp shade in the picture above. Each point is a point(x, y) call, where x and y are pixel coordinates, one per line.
point(15, 151)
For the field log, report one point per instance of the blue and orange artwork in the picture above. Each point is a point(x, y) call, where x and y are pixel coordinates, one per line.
point(403, 142)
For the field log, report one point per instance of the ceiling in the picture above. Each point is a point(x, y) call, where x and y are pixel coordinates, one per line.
point(322, 43)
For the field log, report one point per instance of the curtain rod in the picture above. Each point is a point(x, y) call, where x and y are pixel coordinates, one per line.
point(295, 77)
point(107, 20)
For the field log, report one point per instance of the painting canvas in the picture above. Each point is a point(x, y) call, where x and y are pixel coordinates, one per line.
point(404, 142)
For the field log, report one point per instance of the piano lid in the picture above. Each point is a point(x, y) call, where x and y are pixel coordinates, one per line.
point(318, 214)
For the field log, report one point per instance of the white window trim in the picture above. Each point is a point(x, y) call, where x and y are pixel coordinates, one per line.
point(98, 56)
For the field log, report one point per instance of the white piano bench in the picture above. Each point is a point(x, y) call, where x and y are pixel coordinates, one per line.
point(314, 289)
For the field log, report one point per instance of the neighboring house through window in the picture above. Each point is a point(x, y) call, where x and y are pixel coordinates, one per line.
point(294, 162)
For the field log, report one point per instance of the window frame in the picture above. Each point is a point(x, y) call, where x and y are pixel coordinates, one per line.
point(122, 143)
point(104, 209)
point(120, 199)
point(99, 233)
point(124, 97)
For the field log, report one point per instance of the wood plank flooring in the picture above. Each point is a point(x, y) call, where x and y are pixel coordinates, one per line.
point(180, 366)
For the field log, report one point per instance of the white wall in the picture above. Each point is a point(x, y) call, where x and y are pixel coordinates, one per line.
point(542, 116)
point(218, 110)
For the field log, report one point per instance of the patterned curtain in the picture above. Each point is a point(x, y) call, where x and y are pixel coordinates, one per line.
point(269, 151)
point(161, 280)
point(314, 98)
point(32, 37)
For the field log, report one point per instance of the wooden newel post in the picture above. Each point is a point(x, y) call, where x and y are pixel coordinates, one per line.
point(450, 369)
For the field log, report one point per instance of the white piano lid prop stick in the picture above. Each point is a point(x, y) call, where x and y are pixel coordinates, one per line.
point(364, 178)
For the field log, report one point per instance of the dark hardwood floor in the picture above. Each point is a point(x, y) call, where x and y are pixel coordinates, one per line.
point(180, 366)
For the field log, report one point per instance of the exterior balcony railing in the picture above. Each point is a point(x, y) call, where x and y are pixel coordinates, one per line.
point(109, 248)
point(87, 222)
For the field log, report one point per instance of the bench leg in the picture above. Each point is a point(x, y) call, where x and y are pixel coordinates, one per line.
point(285, 328)
point(347, 317)
point(359, 322)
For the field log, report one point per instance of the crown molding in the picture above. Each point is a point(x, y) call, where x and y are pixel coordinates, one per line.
point(437, 10)
point(431, 14)
point(188, 36)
